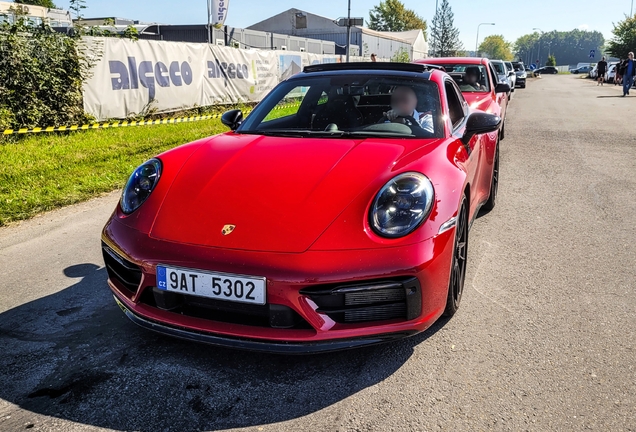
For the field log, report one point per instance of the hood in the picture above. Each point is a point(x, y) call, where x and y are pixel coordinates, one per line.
point(279, 193)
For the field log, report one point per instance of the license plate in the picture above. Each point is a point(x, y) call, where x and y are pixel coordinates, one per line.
point(220, 286)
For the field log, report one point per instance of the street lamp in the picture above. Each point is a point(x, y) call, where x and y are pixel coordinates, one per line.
point(477, 41)
point(539, 52)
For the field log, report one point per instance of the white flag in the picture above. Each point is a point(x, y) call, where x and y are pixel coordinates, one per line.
point(219, 12)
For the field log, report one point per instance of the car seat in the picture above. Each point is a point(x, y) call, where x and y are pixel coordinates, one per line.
point(339, 109)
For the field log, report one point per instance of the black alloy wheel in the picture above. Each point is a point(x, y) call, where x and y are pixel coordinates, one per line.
point(458, 268)
point(494, 183)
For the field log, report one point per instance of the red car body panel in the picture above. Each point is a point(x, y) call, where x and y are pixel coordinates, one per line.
point(300, 206)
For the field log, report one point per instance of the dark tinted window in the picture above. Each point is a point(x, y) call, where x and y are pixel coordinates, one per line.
point(346, 104)
point(455, 105)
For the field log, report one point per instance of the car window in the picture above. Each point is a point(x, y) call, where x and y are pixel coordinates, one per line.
point(499, 67)
point(455, 105)
point(471, 78)
point(493, 74)
point(351, 104)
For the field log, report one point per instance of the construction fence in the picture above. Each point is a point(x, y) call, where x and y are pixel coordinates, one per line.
point(134, 77)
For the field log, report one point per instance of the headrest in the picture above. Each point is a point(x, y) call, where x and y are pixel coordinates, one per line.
point(474, 70)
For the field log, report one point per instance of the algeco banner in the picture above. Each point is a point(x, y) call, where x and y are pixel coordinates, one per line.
point(133, 77)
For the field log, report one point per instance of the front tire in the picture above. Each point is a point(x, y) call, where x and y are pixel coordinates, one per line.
point(458, 265)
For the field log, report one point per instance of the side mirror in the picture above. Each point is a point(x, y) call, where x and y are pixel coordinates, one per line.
point(511, 73)
point(480, 123)
point(502, 88)
point(232, 118)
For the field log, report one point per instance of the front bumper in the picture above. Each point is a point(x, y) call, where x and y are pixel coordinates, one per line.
point(260, 345)
point(294, 284)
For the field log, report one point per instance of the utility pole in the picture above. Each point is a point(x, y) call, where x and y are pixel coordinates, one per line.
point(348, 30)
point(434, 37)
point(209, 31)
point(539, 53)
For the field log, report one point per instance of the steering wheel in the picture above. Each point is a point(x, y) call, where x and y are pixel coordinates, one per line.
point(410, 119)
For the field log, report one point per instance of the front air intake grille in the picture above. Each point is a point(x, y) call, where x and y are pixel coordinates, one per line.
point(121, 270)
point(372, 301)
point(371, 297)
point(267, 315)
point(376, 313)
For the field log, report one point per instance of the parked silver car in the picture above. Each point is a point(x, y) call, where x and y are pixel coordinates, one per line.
point(502, 74)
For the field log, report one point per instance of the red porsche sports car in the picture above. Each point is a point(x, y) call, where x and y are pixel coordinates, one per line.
point(479, 83)
point(335, 215)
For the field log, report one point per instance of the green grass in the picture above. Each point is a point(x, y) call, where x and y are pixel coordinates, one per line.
point(46, 171)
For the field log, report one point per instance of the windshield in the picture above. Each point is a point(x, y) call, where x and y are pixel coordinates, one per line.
point(470, 78)
point(499, 67)
point(351, 106)
point(518, 66)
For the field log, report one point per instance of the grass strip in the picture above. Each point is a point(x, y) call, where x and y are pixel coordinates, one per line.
point(43, 172)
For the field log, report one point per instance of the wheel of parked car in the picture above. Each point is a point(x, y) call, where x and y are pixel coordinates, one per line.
point(494, 183)
point(458, 266)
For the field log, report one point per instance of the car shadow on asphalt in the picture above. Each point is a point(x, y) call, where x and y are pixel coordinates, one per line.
point(74, 356)
point(604, 97)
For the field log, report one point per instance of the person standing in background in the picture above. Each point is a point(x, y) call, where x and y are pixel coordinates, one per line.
point(601, 67)
point(629, 70)
point(373, 58)
point(617, 72)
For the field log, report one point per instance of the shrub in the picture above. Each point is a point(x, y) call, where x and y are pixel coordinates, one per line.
point(41, 75)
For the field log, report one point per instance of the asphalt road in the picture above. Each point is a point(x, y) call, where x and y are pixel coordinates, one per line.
point(544, 339)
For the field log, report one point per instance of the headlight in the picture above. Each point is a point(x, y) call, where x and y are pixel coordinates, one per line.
point(140, 185)
point(402, 205)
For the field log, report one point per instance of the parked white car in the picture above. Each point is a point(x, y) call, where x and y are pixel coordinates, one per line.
point(512, 76)
point(594, 72)
point(611, 73)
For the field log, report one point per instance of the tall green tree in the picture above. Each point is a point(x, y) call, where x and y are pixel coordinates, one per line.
point(624, 39)
point(392, 15)
point(444, 34)
point(45, 3)
point(496, 47)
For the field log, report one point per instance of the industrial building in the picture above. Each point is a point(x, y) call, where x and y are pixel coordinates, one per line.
point(36, 14)
point(364, 41)
point(225, 36)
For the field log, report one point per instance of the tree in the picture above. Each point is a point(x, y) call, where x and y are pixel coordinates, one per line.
point(571, 47)
point(496, 47)
point(551, 60)
point(444, 35)
point(392, 15)
point(624, 39)
point(45, 3)
point(401, 56)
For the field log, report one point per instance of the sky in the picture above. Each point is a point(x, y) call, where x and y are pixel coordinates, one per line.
point(512, 18)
